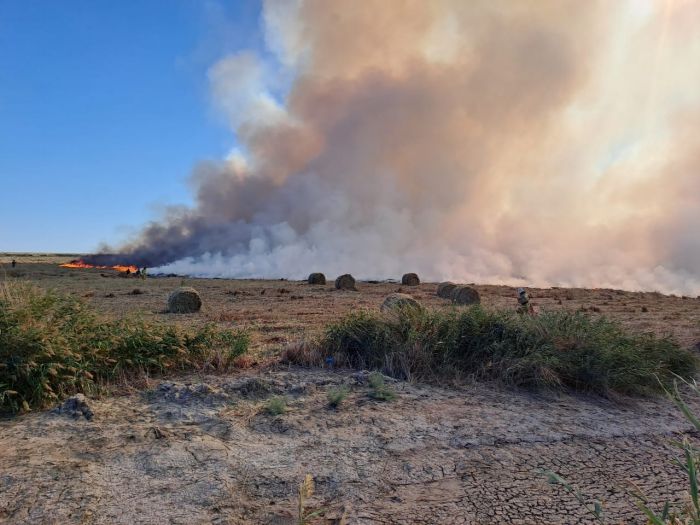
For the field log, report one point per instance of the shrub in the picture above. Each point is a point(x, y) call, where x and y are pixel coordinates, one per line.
point(276, 406)
point(379, 389)
point(337, 395)
point(552, 350)
point(53, 345)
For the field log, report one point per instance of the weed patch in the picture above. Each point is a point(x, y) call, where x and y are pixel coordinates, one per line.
point(337, 395)
point(379, 389)
point(53, 345)
point(555, 350)
point(276, 406)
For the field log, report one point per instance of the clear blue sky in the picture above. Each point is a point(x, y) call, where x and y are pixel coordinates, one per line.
point(104, 111)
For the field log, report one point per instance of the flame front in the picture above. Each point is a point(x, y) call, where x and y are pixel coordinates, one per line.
point(80, 264)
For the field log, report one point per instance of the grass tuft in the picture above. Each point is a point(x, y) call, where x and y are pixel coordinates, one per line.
point(379, 389)
point(554, 350)
point(53, 345)
point(276, 406)
point(337, 395)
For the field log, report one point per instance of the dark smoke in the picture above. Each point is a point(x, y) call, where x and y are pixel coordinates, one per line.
point(542, 143)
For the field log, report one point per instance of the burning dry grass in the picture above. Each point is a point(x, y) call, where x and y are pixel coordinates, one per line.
point(79, 263)
point(53, 345)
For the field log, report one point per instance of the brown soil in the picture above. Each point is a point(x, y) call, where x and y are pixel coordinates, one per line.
point(200, 449)
point(203, 450)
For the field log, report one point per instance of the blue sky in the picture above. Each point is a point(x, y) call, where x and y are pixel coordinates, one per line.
point(104, 110)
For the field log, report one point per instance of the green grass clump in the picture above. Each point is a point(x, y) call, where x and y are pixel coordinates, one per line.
point(53, 345)
point(379, 389)
point(276, 406)
point(552, 350)
point(337, 395)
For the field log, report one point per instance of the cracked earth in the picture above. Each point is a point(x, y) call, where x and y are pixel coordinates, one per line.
point(202, 449)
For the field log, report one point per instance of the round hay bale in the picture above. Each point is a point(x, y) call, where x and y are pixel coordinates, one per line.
point(465, 295)
point(317, 278)
point(410, 279)
point(345, 282)
point(184, 300)
point(445, 289)
point(399, 301)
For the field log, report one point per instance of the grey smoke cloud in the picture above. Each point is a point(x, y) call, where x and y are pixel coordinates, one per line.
point(530, 143)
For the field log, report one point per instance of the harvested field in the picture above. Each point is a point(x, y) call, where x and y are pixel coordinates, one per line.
point(204, 449)
point(287, 309)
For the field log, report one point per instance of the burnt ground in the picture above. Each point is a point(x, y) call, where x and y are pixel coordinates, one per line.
point(202, 449)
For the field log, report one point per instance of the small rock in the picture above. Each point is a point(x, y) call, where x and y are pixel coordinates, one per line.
point(200, 393)
point(362, 377)
point(157, 433)
point(75, 407)
point(253, 387)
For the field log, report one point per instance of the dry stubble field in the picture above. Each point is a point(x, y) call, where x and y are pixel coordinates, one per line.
point(197, 448)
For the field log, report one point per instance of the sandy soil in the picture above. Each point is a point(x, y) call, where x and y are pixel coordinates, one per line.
point(201, 449)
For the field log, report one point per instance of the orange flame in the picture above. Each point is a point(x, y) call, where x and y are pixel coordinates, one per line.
point(80, 264)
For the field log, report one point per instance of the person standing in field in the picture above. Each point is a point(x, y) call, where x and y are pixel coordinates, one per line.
point(524, 303)
point(14, 263)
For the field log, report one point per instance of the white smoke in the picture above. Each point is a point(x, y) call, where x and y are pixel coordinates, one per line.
point(548, 143)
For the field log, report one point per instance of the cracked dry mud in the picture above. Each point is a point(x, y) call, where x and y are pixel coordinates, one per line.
point(201, 450)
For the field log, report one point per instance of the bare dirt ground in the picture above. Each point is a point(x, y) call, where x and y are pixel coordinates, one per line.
point(201, 449)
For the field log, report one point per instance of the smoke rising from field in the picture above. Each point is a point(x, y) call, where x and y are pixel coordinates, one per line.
point(549, 142)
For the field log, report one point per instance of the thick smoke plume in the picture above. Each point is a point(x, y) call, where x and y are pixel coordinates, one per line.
point(548, 142)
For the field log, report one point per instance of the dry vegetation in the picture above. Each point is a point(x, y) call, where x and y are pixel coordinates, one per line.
point(234, 447)
point(280, 312)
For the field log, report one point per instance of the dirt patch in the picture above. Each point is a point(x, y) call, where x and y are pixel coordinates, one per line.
point(202, 450)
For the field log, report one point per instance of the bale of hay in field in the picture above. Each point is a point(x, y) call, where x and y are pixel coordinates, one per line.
point(317, 278)
point(465, 295)
point(184, 300)
point(345, 282)
point(397, 301)
point(410, 279)
point(445, 289)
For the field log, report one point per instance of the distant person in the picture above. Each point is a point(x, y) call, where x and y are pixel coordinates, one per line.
point(14, 263)
point(128, 272)
point(143, 272)
point(524, 303)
